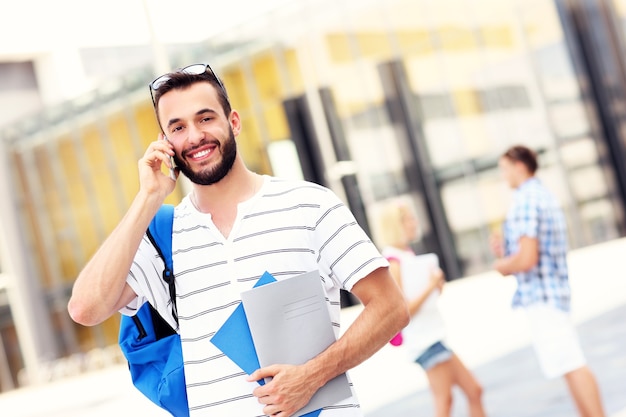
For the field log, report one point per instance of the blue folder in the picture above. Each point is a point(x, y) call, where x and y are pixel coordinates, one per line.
point(235, 340)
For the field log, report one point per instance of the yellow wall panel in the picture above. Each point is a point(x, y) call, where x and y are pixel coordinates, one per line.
point(267, 77)
point(270, 87)
point(338, 46)
point(466, 102)
point(56, 212)
point(235, 82)
point(250, 138)
point(456, 38)
point(276, 121)
point(111, 329)
point(125, 156)
point(414, 42)
point(293, 71)
point(497, 36)
point(78, 197)
point(374, 45)
point(147, 126)
point(85, 338)
point(271, 91)
point(102, 190)
point(343, 47)
point(249, 143)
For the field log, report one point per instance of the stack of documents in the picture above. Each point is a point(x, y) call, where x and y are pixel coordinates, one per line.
point(283, 322)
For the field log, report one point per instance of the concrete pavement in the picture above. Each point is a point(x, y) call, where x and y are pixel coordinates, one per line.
point(493, 340)
point(490, 337)
point(514, 386)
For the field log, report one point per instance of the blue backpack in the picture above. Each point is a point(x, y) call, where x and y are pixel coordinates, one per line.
point(151, 346)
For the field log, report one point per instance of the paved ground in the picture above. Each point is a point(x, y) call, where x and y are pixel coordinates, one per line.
point(513, 384)
point(490, 337)
point(494, 342)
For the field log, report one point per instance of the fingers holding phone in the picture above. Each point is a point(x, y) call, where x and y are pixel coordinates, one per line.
point(173, 171)
point(151, 176)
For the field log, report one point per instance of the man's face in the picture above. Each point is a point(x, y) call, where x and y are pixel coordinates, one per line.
point(509, 170)
point(202, 135)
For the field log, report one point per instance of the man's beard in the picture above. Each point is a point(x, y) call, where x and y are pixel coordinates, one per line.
point(213, 175)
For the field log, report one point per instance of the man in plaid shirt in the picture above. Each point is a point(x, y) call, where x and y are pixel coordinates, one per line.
point(534, 249)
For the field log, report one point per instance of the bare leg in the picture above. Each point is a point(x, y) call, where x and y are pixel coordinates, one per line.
point(440, 378)
point(470, 386)
point(584, 389)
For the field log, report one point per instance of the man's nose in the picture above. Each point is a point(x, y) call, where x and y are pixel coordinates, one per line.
point(195, 135)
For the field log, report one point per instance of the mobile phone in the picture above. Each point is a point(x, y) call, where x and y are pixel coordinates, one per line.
point(172, 163)
point(172, 173)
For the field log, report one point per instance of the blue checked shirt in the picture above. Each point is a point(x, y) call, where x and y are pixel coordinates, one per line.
point(535, 213)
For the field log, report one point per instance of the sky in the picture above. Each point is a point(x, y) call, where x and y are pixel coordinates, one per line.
point(35, 26)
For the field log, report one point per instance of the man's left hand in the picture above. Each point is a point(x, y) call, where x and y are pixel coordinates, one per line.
point(289, 389)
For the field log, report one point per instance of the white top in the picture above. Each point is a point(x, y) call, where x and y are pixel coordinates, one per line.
point(426, 326)
point(287, 228)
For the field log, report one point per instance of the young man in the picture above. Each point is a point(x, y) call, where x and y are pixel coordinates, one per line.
point(534, 249)
point(232, 227)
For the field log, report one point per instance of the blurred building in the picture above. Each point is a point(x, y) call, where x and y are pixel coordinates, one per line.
point(373, 98)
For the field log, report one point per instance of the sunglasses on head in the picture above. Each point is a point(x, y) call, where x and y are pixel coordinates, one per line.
point(193, 69)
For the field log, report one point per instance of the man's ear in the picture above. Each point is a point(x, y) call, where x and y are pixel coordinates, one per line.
point(235, 122)
point(523, 169)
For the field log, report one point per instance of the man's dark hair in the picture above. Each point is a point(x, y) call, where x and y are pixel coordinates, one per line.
point(182, 80)
point(522, 154)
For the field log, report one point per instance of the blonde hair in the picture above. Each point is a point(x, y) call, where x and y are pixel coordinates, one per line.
point(390, 228)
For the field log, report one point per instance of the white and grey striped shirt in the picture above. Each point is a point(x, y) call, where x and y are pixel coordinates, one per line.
point(287, 228)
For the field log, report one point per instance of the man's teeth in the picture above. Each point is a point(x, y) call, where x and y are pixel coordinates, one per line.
point(200, 154)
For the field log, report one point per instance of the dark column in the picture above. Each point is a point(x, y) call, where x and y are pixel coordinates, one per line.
point(403, 113)
point(306, 141)
point(307, 144)
point(596, 46)
point(342, 152)
point(304, 138)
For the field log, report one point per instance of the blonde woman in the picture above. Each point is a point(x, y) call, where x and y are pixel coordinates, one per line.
point(424, 337)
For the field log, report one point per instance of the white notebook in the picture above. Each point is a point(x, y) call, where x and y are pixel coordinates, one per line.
point(290, 324)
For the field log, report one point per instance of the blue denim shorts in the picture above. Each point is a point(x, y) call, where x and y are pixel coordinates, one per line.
point(434, 355)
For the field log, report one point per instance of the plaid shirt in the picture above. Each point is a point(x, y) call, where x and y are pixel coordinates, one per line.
point(535, 213)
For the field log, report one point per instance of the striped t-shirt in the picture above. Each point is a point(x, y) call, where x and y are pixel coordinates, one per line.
point(288, 228)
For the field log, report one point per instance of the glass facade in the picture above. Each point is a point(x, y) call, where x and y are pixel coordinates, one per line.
point(375, 99)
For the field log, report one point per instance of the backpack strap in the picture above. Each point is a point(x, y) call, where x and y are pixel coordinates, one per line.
point(160, 234)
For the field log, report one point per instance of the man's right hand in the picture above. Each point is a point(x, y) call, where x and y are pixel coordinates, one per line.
point(151, 177)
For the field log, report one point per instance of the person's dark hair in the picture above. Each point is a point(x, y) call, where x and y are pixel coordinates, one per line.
point(525, 155)
point(180, 80)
